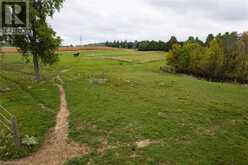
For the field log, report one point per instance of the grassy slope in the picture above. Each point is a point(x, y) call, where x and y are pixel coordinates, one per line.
point(192, 121)
point(34, 104)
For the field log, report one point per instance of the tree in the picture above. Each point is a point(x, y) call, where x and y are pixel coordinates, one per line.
point(226, 58)
point(196, 59)
point(107, 43)
point(240, 71)
point(210, 38)
point(135, 44)
point(191, 39)
point(196, 40)
point(161, 45)
point(171, 42)
point(216, 59)
point(118, 44)
point(229, 41)
point(42, 42)
point(178, 58)
point(143, 46)
point(130, 45)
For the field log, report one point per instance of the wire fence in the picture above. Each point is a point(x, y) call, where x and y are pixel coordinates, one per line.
point(8, 121)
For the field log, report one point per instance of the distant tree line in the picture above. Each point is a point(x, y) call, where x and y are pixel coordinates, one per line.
point(221, 57)
point(154, 45)
point(122, 44)
point(144, 45)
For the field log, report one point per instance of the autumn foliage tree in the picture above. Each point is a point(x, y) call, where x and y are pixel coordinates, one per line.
point(225, 58)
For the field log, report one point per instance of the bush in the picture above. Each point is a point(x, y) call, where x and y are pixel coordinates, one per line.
point(8, 149)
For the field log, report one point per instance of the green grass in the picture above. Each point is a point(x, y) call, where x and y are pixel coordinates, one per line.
point(34, 104)
point(192, 121)
point(128, 99)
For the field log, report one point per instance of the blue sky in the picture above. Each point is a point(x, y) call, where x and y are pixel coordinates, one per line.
point(101, 20)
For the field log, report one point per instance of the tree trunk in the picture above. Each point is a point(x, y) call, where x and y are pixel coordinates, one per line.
point(36, 67)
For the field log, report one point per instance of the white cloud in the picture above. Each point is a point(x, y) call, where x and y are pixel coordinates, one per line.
point(98, 20)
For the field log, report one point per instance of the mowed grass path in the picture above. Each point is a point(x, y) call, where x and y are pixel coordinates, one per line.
point(118, 98)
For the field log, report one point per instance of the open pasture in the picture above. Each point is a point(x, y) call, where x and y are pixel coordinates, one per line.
point(127, 111)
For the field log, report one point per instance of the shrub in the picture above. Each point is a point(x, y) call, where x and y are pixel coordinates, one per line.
point(29, 141)
point(8, 149)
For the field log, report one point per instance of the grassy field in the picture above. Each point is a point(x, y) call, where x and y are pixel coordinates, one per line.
point(120, 100)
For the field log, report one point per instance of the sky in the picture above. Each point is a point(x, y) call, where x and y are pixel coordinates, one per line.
point(102, 20)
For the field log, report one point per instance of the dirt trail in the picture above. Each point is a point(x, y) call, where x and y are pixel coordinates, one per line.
point(57, 148)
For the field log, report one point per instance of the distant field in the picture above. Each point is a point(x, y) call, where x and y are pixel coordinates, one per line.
point(63, 49)
point(129, 112)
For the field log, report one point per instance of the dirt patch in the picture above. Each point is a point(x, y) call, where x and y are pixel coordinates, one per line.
point(104, 146)
point(210, 131)
point(144, 143)
point(57, 148)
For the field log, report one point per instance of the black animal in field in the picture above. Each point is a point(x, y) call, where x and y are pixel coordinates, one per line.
point(76, 54)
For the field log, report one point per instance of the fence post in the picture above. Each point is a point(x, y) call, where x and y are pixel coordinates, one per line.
point(15, 132)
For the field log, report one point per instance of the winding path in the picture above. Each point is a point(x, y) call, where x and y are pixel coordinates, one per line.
point(57, 148)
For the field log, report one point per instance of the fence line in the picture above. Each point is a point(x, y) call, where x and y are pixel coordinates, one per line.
point(5, 121)
point(12, 126)
point(10, 114)
point(4, 117)
point(5, 125)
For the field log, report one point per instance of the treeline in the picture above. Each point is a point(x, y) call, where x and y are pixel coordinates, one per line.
point(222, 57)
point(144, 45)
point(122, 44)
point(152, 45)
